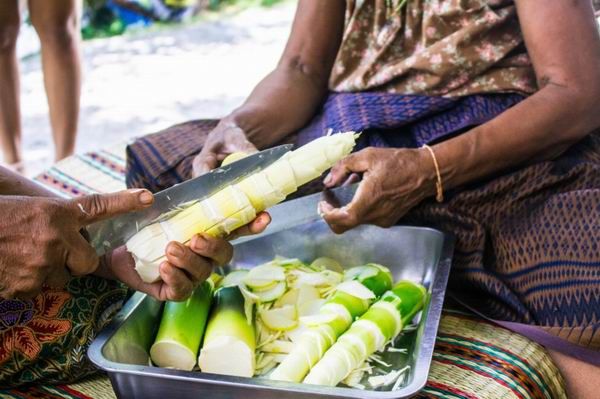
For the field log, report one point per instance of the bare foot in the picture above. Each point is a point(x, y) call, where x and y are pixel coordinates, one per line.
point(581, 378)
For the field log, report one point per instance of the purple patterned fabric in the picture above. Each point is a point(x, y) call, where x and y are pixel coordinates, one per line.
point(159, 160)
point(395, 120)
point(13, 312)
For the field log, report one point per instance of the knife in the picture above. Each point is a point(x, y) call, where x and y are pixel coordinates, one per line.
point(113, 233)
point(304, 209)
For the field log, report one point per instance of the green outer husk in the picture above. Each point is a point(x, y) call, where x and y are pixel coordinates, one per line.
point(297, 364)
point(375, 277)
point(228, 317)
point(413, 296)
point(184, 322)
point(345, 355)
point(355, 306)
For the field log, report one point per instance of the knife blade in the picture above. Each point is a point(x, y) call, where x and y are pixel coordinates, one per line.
point(304, 209)
point(113, 233)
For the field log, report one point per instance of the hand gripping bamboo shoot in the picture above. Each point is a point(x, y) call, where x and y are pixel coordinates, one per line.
point(351, 300)
point(181, 329)
point(229, 342)
point(238, 204)
point(379, 325)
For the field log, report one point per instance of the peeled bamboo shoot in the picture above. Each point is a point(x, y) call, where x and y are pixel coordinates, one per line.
point(332, 320)
point(237, 205)
point(229, 342)
point(181, 328)
point(234, 157)
point(380, 324)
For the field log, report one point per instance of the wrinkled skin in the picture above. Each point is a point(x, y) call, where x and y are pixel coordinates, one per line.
point(41, 244)
point(393, 182)
point(41, 240)
point(223, 140)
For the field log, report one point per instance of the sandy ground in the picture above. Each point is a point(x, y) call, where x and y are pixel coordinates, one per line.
point(142, 82)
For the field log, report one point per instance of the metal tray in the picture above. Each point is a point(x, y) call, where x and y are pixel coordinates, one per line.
point(415, 253)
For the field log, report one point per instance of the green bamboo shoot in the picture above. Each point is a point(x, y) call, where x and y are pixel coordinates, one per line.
point(378, 326)
point(181, 328)
point(333, 319)
point(237, 205)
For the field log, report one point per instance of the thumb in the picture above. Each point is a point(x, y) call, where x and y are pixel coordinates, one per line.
point(204, 163)
point(96, 207)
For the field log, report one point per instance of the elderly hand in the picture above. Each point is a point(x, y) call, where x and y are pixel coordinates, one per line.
point(41, 241)
point(224, 140)
point(186, 266)
point(393, 182)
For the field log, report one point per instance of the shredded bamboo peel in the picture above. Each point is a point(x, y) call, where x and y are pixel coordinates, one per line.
point(237, 205)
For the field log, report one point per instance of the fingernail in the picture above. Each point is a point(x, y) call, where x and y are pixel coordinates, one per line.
point(328, 179)
point(146, 197)
point(175, 250)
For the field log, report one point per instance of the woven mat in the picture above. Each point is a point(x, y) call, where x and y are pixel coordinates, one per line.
point(97, 387)
point(473, 359)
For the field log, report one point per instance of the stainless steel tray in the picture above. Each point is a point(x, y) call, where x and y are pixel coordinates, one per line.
point(415, 253)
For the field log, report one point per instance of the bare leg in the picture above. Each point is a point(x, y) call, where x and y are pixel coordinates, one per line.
point(57, 24)
point(581, 378)
point(10, 117)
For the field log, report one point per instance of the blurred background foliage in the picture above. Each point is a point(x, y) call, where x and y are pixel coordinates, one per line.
point(105, 18)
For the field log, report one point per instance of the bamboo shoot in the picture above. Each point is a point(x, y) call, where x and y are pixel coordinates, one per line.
point(333, 319)
point(237, 205)
point(380, 324)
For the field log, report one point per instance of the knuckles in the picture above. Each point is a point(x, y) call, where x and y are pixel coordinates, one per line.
point(217, 250)
point(96, 205)
point(371, 153)
point(180, 296)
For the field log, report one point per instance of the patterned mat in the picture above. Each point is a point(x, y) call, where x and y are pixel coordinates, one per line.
point(473, 359)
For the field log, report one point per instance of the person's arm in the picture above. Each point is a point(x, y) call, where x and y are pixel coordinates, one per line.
point(286, 99)
point(566, 58)
point(41, 240)
point(564, 45)
point(14, 184)
point(42, 244)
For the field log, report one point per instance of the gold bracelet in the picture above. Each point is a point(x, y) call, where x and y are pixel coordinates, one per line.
point(438, 184)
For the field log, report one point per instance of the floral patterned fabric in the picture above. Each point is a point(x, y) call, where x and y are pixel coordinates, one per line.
point(46, 339)
point(433, 47)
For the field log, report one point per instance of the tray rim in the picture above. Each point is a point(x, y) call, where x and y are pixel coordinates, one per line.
point(423, 362)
